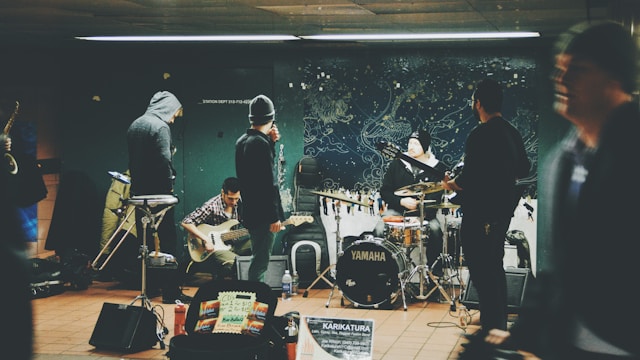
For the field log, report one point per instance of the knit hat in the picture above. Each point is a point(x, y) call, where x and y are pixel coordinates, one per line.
point(608, 45)
point(261, 110)
point(423, 137)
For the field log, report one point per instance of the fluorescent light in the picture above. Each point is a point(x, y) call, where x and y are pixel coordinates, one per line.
point(191, 38)
point(423, 36)
point(336, 37)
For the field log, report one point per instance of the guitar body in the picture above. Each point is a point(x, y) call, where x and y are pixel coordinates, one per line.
point(222, 235)
point(197, 248)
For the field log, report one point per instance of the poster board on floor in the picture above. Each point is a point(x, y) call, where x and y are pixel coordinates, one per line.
point(324, 338)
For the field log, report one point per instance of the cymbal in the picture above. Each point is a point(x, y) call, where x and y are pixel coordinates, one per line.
point(339, 196)
point(419, 189)
point(444, 205)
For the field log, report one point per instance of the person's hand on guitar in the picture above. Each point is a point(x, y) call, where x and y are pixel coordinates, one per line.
point(208, 246)
point(277, 226)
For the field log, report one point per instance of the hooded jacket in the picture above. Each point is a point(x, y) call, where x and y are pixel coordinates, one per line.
point(149, 143)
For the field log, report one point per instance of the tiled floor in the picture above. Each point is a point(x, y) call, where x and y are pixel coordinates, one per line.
point(63, 324)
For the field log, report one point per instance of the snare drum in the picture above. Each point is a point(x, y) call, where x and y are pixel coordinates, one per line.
point(368, 272)
point(405, 232)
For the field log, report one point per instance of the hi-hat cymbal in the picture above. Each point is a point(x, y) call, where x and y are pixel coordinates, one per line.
point(339, 196)
point(419, 189)
point(444, 205)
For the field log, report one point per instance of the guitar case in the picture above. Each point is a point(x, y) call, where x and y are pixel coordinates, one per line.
point(307, 178)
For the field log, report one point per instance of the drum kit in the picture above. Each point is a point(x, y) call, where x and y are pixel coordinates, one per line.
point(372, 272)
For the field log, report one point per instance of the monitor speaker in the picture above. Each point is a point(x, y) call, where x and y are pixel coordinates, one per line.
point(517, 280)
point(126, 328)
point(273, 277)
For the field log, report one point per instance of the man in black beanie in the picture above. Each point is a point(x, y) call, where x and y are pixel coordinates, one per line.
point(255, 169)
point(566, 316)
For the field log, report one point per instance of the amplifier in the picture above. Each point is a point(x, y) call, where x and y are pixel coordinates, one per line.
point(273, 277)
point(126, 328)
point(517, 280)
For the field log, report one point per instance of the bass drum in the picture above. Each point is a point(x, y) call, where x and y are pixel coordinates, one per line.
point(368, 272)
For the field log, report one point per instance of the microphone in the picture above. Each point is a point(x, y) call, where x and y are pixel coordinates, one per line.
point(120, 177)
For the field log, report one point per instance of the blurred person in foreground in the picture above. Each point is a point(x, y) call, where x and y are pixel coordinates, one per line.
point(15, 264)
point(573, 312)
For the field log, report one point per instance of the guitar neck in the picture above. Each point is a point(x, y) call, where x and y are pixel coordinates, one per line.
point(234, 234)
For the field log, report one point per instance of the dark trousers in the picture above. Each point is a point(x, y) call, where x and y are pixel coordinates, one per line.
point(483, 245)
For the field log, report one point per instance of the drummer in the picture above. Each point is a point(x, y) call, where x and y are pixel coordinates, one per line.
point(401, 173)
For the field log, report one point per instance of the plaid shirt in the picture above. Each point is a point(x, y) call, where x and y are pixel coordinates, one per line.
point(211, 213)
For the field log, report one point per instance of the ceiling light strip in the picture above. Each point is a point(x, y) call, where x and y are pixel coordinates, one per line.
point(325, 37)
point(191, 38)
point(423, 36)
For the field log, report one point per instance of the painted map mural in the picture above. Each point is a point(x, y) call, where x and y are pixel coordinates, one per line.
point(351, 104)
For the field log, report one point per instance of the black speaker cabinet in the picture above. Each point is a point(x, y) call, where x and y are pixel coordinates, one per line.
point(273, 277)
point(517, 279)
point(126, 328)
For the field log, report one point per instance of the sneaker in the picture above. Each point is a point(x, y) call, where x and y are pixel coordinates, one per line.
point(185, 299)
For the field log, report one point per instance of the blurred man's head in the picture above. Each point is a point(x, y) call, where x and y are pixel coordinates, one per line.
point(595, 65)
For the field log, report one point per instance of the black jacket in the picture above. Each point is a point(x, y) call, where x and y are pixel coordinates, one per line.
point(255, 168)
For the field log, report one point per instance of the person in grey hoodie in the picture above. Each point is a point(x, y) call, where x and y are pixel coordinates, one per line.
point(152, 173)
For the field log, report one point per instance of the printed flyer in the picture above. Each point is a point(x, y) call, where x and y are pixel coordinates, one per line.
point(321, 338)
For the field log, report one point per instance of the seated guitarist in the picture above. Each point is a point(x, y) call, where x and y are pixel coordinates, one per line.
point(218, 258)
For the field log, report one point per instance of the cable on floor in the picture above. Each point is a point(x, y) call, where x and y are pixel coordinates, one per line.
point(161, 328)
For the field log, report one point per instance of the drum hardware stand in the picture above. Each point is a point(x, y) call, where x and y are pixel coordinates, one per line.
point(423, 267)
point(119, 213)
point(447, 266)
point(149, 218)
point(123, 210)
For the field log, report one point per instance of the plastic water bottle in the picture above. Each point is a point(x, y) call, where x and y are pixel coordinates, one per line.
point(286, 285)
point(295, 283)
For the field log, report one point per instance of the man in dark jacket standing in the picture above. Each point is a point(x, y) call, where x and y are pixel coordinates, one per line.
point(255, 168)
point(494, 158)
point(152, 173)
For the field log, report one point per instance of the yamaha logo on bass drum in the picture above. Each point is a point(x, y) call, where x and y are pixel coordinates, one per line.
point(368, 255)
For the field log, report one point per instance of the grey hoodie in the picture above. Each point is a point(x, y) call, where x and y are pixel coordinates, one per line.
point(149, 143)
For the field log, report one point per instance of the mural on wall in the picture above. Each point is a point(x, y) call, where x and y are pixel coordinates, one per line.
point(351, 104)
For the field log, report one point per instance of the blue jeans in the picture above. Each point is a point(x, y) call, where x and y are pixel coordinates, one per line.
point(262, 240)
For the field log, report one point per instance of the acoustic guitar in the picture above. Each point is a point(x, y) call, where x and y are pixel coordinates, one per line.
point(223, 238)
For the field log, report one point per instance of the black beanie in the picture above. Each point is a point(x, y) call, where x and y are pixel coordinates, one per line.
point(261, 110)
point(424, 137)
point(608, 45)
